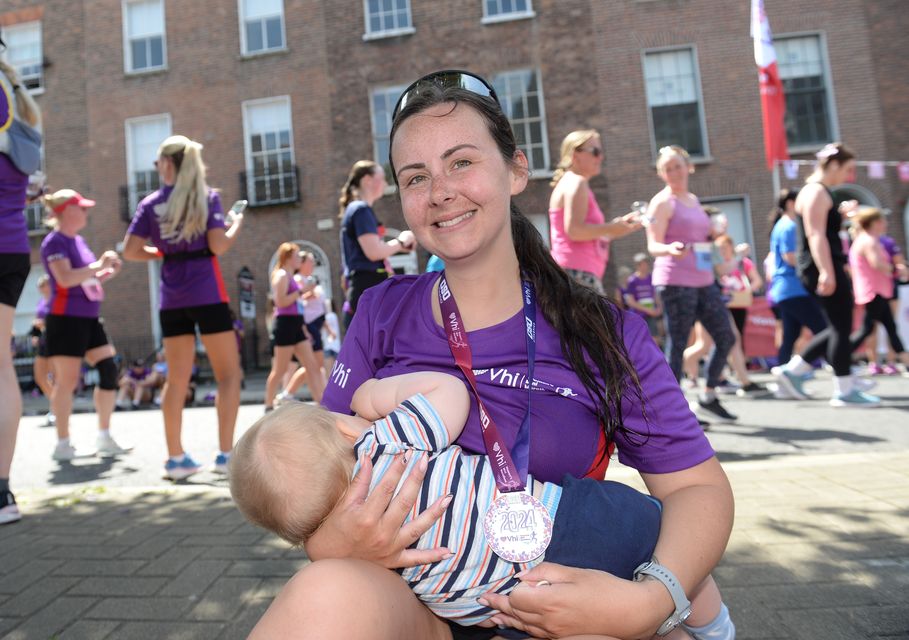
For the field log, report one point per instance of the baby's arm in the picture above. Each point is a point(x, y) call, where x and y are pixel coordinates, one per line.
point(375, 399)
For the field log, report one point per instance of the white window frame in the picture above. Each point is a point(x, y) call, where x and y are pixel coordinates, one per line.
point(247, 149)
point(543, 171)
point(507, 17)
point(745, 199)
point(130, 168)
point(706, 157)
point(22, 26)
point(386, 33)
point(127, 48)
point(244, 50)
point(828, 85)
point(386, 89)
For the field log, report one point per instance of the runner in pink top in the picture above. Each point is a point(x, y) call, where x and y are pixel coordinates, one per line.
point(872, 280)
point(578, 231)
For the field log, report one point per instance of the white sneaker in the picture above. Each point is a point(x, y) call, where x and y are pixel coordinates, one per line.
point(50, 419)
point(864, 384)
point(64, 452)
point(282, 398)
point(108, 447)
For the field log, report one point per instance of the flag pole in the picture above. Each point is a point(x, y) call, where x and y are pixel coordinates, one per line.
point(776, 178)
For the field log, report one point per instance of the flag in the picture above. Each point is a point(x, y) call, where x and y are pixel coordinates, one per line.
point(791, 169)
point(773, 102)
point(903, 170)
point(876, 170)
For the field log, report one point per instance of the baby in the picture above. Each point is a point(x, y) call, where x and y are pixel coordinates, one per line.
point(293, 466)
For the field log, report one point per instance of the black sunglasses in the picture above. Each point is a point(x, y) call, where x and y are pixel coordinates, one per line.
point(596, 152)
point(450, 78)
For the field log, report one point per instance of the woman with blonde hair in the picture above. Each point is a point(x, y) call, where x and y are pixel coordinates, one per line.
point(578, 232)
point(680, 238)
point(362, 249)
point(73, 328)
point(291, 336)
point(185, 225)
point(15, 263)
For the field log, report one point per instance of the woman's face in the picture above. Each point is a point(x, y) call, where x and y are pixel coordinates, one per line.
point(167, 171)
point(842, 173)
point(674, 172)
point(73, 217)
point(455, 186)
point(373, 185)
point(307, 266)
point(293, 262)
point(790, 206)
point(587, 159)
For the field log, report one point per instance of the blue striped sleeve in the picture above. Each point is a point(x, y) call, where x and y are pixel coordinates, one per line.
point(415, 424)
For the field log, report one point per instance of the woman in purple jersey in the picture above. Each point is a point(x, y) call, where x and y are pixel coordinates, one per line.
point(457, 166)
point(183, 224)
point(15, 263)
point(73, 328)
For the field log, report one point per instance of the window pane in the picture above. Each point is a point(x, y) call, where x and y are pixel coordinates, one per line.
point(375, 24)
point(373, 6)
point(156, 45)
point(255, 142)
point(262, 8)
point(521, 100)
point(802, 69)
point(678, 124)
point(140, 58)
point(274, 36)
point(144, 18)
point(507, 6)
point(284, 139)
point(492, 7)
point(254, 40)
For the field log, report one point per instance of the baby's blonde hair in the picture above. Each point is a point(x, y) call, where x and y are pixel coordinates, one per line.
point(290, 470)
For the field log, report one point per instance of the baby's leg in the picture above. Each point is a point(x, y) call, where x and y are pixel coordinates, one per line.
point(709, 619)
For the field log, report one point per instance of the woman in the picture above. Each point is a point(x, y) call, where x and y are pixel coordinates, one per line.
point(679, 237)
point(797, 308)
point(579, 233)
point(184, 222)
point(291, 337)
point(15, 263)
point(872, 279)
point(362, 248)
point(458, 167)
point(73, 327)
point(41, 367)
point(821, 265)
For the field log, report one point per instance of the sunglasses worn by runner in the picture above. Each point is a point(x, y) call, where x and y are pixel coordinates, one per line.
point(451, 78)
point(596, 152)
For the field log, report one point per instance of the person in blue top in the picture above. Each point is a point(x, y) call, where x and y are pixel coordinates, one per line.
point(797, 308)
point(362, 248)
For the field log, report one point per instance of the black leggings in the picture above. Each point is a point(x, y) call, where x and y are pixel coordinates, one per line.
point(878, 310)
point(833, 342)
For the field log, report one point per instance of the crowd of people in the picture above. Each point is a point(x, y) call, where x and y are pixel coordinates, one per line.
point(414, 403)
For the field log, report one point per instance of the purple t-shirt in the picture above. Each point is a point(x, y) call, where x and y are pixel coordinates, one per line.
point(13, 230)
point(43, 308)
point(641, 290)
point(184, 283)
point(394, 332)
point(83, 300)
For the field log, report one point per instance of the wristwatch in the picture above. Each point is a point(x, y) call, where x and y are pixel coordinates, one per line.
point(682, 605)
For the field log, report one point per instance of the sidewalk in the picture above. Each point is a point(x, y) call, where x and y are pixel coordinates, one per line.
point(820, 550)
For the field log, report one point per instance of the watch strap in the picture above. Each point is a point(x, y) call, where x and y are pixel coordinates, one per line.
point(665, 576)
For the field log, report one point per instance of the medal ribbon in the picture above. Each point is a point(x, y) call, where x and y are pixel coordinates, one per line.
point(509, 469)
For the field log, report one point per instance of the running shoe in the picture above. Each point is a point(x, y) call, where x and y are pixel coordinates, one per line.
point(890, 370)
point(64, 452)
point(715, 410)
point(9, 510)
point(752, 389)
point(864, 384)
point(874, 369)
point(221, 463)
point(186, 467)
point(50, 419)
point(855, 398)
point(108, 447)
point(790, 383)
point(727, 386)
point(283, 398)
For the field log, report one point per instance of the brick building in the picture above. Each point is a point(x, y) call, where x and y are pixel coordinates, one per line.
point(285, 95)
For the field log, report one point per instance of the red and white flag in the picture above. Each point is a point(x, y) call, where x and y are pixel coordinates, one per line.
point(773, 102)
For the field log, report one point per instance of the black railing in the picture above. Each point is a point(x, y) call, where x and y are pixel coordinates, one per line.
point(263, 189)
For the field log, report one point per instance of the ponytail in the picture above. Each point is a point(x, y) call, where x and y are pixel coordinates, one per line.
point(350, 190)
point(26, 108)
point(186, 217)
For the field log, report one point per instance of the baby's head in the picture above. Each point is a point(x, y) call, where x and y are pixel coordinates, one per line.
point(290, 469)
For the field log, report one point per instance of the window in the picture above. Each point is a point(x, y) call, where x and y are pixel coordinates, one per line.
point(387, 18)
point(802, 66)
point(738, 212)
point(143, 136)
point(143, 35)
point(501, 10)
point(521, 95)
point(271, 175)
point(674, 98)
point(261, 25)
point(24, 52)
point(382, 103)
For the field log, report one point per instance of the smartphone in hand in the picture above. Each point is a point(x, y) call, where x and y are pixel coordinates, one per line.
point(239, 206)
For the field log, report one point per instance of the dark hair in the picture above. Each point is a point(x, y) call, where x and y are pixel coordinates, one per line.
point(834, 152)
point(589, 325)
point(358, 171)
point(786, 195)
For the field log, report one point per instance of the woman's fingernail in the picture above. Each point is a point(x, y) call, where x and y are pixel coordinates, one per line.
point(483, 601)
point(450, 554)
point(447, 501)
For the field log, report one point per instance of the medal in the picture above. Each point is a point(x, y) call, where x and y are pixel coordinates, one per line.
point(518, 527)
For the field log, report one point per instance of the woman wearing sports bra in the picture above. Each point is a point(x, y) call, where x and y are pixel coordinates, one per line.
point(679, 237)
point(578, 231)
point(291, 337)
point(185, 225)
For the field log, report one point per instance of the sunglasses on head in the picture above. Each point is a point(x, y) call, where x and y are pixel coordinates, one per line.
point(451, 78)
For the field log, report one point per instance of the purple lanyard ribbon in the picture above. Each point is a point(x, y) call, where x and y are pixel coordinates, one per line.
point(509, 469)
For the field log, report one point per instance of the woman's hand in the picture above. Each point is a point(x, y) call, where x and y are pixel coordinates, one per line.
point(368, 526)
point(826, 283)
point(407, 240)
point(553, 601)
point(677, 249)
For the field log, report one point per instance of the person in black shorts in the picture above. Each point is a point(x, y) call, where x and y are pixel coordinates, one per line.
point(186, 227)
point(73, 327)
